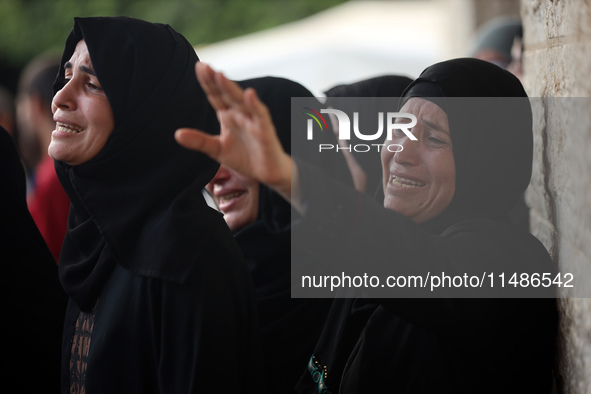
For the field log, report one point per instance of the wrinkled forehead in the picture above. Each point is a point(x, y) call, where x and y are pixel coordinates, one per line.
point(80, 59)
point(426, 111)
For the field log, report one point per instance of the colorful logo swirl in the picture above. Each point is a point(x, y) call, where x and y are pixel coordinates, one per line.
point(316, 115)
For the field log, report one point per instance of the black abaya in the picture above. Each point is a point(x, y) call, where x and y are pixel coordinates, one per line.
point(157, 285)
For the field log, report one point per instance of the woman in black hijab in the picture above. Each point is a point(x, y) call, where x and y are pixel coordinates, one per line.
point(440, 344)
point(261, 222)
point(160, 300)
point(450, 345)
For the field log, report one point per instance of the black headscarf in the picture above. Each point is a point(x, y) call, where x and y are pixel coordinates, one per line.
point(490, 123)
point(378, 87)
point(138, 202)
point(382, 86)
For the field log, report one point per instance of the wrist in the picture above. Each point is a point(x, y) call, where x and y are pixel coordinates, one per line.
point(288, 184)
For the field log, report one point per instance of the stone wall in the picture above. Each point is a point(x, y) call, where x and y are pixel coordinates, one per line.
point(557, 65)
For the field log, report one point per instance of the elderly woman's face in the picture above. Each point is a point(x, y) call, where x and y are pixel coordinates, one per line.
point(419, 181)
point(237, 197)
point(83, 115)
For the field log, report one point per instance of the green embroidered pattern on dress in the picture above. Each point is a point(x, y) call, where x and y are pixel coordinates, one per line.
point(319, 373)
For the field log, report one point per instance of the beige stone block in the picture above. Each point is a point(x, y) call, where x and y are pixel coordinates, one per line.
point(574, 346)
point(536, 196)
point(543, 230)
point(548, 20)
point(534, 29)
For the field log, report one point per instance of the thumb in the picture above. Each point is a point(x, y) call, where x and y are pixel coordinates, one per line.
point(198, 140)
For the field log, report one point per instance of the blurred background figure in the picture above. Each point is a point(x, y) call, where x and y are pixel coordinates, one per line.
point(499, 41)
point(48, 203)
point(365, 167)
point(7, 116)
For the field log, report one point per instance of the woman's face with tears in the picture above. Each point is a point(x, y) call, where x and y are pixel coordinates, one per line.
point(83, 115)
point(419, 181)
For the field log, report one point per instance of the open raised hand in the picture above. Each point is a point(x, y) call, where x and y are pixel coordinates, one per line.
point(247, 142)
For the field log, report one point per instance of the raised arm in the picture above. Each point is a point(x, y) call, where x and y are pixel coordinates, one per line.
point(247, 142)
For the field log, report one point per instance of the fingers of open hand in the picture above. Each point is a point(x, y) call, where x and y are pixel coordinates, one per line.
point(199, 141)
point(206, 78)
point(231, 93)
point(255, 107)
point(221, 92)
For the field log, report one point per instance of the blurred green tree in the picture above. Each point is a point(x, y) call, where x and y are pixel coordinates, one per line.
point(29, 27)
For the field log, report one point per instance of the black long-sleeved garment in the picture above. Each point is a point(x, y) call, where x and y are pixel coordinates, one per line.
point(152, 335)
point(160, 298)
point(442, 345)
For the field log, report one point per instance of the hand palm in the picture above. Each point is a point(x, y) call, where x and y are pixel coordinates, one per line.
point(247, 142)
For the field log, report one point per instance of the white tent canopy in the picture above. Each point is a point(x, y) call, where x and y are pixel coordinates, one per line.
point(347, 43)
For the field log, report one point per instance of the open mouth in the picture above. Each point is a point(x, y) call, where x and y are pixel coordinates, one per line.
point(226, 198)
point(406, 183)
point(66, 128)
